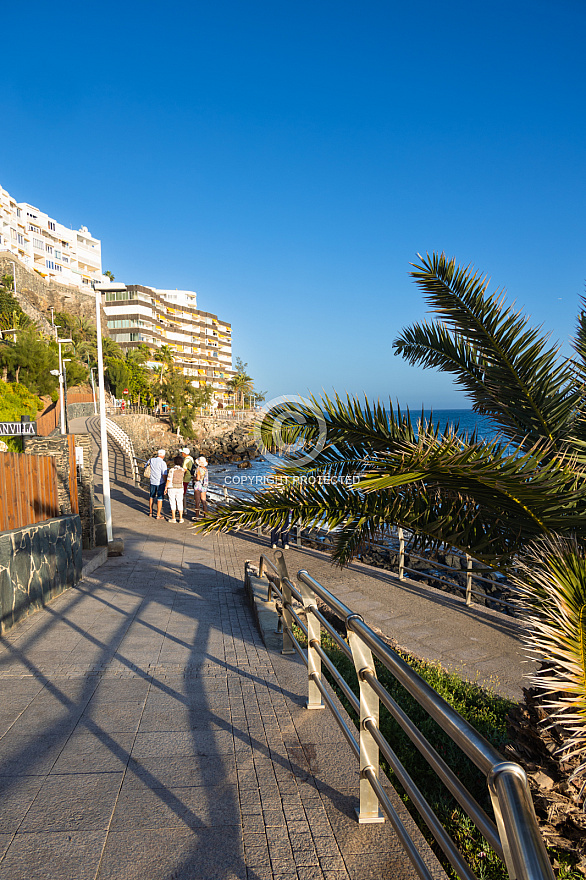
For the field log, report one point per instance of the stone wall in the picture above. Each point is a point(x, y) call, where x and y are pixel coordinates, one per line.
point(148, 433)
point(79, 410)
point(85, 491)
point(57, 446)
point(37, 295)
point(37, 563)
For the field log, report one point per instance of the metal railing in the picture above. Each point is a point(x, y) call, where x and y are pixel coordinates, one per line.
point(125, 442)
point(472, 574)
point(515, 837)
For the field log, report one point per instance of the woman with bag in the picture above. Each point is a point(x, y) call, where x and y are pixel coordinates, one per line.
point(174, 488)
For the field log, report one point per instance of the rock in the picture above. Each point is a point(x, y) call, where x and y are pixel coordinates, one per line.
point(542, 780)
point(244, 464)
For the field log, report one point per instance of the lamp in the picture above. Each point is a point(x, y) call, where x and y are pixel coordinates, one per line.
point(61, 342)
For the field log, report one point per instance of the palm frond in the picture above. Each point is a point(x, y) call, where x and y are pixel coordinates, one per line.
point(524, 386)
point(551, 583)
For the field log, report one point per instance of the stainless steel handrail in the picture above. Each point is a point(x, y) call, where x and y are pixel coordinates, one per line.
point(515, 838)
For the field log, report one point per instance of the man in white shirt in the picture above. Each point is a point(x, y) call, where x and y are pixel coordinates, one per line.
point(158, 478)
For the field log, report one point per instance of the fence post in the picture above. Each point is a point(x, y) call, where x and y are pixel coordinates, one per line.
point(401, 554)
point(468, 580)
point(314, 697)
point(369, 811)
point(287, 599)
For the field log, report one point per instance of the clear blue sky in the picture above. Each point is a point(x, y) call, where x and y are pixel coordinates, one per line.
point(287, 160)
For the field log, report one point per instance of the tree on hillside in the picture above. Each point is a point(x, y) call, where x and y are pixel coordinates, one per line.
point(184, 400)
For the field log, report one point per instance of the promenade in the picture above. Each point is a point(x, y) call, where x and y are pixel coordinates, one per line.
point(146, 732)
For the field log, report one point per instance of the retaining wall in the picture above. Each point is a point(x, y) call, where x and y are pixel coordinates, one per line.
point(37, 563)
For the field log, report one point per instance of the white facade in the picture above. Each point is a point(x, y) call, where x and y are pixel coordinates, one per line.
point(54, 251)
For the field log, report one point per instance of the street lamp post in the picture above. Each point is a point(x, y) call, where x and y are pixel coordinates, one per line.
point(103, 432)
point(65, 361)
point(61, 342)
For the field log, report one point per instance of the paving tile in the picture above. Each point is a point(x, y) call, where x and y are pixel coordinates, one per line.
point(16, 796)
point(173, 852)
point(86, 753)
point(54, 856)
point(196, 807)
point(73, 803)
point(174, 772)
point(29, 756)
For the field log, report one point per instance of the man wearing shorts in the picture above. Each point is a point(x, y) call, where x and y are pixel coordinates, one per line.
point(158, 479)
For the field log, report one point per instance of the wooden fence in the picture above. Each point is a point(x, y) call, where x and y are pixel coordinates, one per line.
point(29, 491)
point(49, 420)
point(30, 487)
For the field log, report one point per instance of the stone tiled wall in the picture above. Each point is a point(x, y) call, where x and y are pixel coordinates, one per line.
point(36, 564)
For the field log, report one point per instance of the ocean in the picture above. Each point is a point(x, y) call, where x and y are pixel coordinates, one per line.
point(237, 480)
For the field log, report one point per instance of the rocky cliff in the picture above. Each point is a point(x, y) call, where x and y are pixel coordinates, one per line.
point(220, 441)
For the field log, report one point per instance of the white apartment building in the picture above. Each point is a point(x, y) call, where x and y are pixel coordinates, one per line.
point(201, 343)
point(46, 246)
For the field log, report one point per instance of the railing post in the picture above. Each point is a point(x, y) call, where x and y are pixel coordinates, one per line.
point(525, 854)
point(401, 554)
point(287, 599)
point(314, 697)
point(468, 579)
point(298, 535)
point(369, 811)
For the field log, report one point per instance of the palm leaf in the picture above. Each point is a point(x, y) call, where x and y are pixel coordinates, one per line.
point(509, 370)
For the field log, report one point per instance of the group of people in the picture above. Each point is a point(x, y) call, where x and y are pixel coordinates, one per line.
point(173, 480)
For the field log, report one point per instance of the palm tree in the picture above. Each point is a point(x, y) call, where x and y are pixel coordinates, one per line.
point(379, 468)
point(164, 356)
point(241, 384)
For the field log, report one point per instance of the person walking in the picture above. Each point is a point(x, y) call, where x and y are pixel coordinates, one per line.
point(283, 533)
point(158, 474)
point(200, 485)
point(174, 488)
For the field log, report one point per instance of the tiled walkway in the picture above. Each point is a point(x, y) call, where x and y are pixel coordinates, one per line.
point(147, 733)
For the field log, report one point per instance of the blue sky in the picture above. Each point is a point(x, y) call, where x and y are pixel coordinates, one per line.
point(288, 160)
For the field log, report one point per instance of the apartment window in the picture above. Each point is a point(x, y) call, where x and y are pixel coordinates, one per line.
point(50, 264)
point(65, 259)
point(13, 233)
point(51, 225)
point(20, 238)
point(57, 255)
point(49, 249)
point(39, 244)
point(119, 296)
point(18, 212)
point(32, 228)
point(58, 268)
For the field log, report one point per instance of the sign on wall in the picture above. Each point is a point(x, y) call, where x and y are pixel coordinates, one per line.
point(17, 429)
